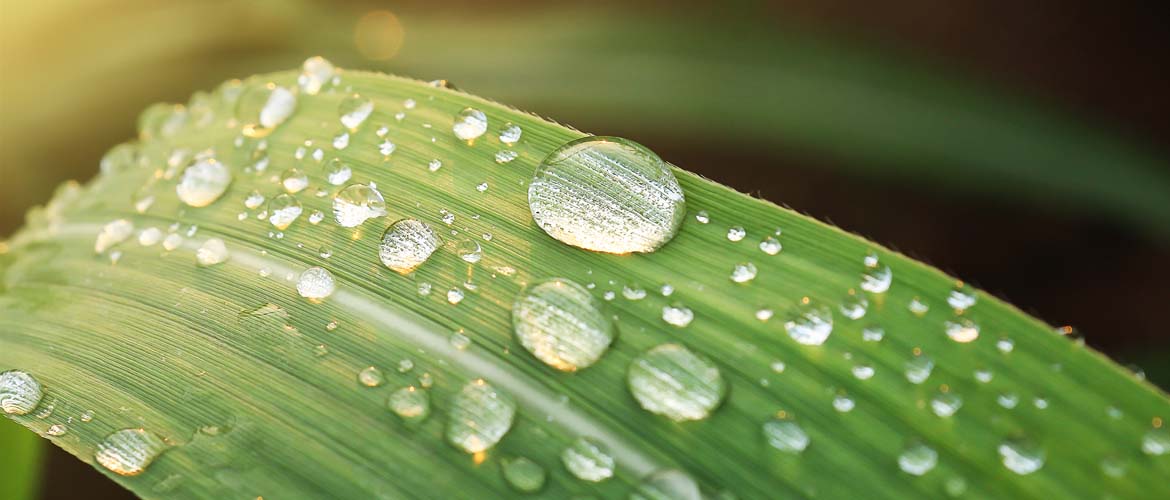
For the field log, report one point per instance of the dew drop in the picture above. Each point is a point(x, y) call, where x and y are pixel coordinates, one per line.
point(434, 165)
point(112, 233)
point(316, 217)
point(283, 209)
point(586, 460)
point(506, 156)
point(1156, 442)
point(411, 404)
point(203, 183)
point(337, 172)
point(479, 417)
point(702, 217)
point(386, 148)
point(294, 180)
point(873, 333)
point(918, 369)
point(20, 392)
point(1021, 457)
point(786, 436)
point(672, 381)
point(1005, 345)
point(454, 296)
point(265, 108)
point(407, 244)
point(962, 330)
point(57, 430)
point(561, 324)
point(946, 404)
point(150, 236)
point(877, 279)
point(667, 485)
point(510, 133)
point(341, 141)
point(770, 246)
point(129, 452)
point(212, 252)
point(843, 404)
point(983, 375)
point(607, 194)
point(354, 110)
point(1008, 400)
point(764, 314)
point(853, 306)
point(371, 376)
point(809, 324)
point(315, 283)
point(172, 241)
point(315, 73)
point(743, 272)
point(632, 292)
point(917, 459)
point(470, 124)
point(677, 315)
point(863, 372)
point(523, 474)
point(358, 203)
point(469, 251)
point(254, 200)
point(917, 307)
point(961, 298)
point(736, 233)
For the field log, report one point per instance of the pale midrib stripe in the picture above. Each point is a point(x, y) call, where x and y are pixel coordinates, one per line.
point(531, 395)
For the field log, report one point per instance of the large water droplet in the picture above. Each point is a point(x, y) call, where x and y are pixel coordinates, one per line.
point(113, 233)
point(129, 452)
point(411, 404)
point(212, 252)
point(357, 203)
point(315, 283)
point(917, 459)
point(671, 380)
point(354, 110)
point(786, 436)
point(470, 124)
point(283, 209)
point(203, 182)
point(479, 417)
point(809, 324)
point(523, 474)
point(1021, 457)
point(407, 244)
point(608, 195)
point(561, 323)
point(587, 461)
point(315, 73)
point(20, 392)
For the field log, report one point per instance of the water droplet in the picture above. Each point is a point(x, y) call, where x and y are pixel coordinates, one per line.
point(386, 148)
point(736, 233)
point(917, 459)
point(510, 133)
point(667, 485)
point(129, 452)
point(702, 217)
point(481, 187)
point(407, 244)
point(667, 290)
point(371, 376)
point(1007, 400)
point(172, 241)
point(863, 372)
point(354, 110)
point(786, 436)
point(203, 183)
point(338, 172)
point(411, 404)
point(918, 369)
point(283, 209)
point(961, 298)
point(677, 314)
point(254, 200)
point(672, 381)
point(607, 194)
point(1021, 457)
point(316, 217)
point(469, 251)
point(946, 404)
point(854, 306)
point(1005, 345)
point(294, 180)
point(843, 403)
point(873, 333)
point(112, 234)
point(470, 124)
point(20, 392)
point(315, 283)
point(877, 279)
point(633, 292)
point(1113, 467)
point(212, 252)
point(262, 109)
point(358, 203)
point(150, 236)
point(479, 417)
point(587, 461)
point(561, 324)
point(809, 324)
point(341, 141)
point(918, 307)
point(962, 330)
point(764, 314)
point(523, 474)
point(1156, 442)
point(770, 246)
point(434, 165)
point(454, 296)
point(743, 272)
point(983, 375)
point(315, 73)
point(57, 430)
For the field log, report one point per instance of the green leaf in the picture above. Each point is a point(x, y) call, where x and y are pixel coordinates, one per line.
point(255, 390)
point(20, 462)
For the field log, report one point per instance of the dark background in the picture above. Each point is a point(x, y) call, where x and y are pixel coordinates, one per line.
point(1103, 63)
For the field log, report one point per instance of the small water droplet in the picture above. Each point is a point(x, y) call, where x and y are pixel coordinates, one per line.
point(358, 203)
point(770, 245)
point(863, 372)
point(917, 459)
point(315, 283)
point(961, 298)
point(854, 306)
point(387, 148)
point(212, 252)
point(918, 369)
point(946, 404)
point(561, 324)
point(340, 141)
point(1156, 442)
point(20, 392)
point(877, 279)
point(354, 110)
point(479, 417)
point(203, 182)
point(983, 375)
point(1007, 400)
point(736, 233)
point(702, 217)
point(470, 124)
point(523, 474)
point(506, 156)
point(743, 272)
point(786, 436)
point(294, 180)
point(469, 251)
point(918, 307)
point(263, 108)
point(678, 315)
point(481, 187)
point(1021, 457)
point(454, 296)
point(57, 430)
point(809, 324)
point(113, 233)
point(87, 415)
point(633, 292)
point(407, 244)
point(371, 376)
point(1113, 467)
point(843, 403)
point(315, 73)
point(962, 330)
point(588, 461)
point(1005, 345)
point(129, 452)
point(434, 165)
point(283, 209)
point(873, 333)
point(510, 133)
point(316, 217)
point(607, 194)
point(254, 200)
point(405, 365)
point(672, 381)
point(764, 314)
point(172, 241)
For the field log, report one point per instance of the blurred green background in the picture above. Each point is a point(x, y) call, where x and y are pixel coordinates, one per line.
point(1018, 145)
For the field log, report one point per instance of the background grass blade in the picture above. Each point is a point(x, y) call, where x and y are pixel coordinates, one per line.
point(254, 389)
point(20, 463)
